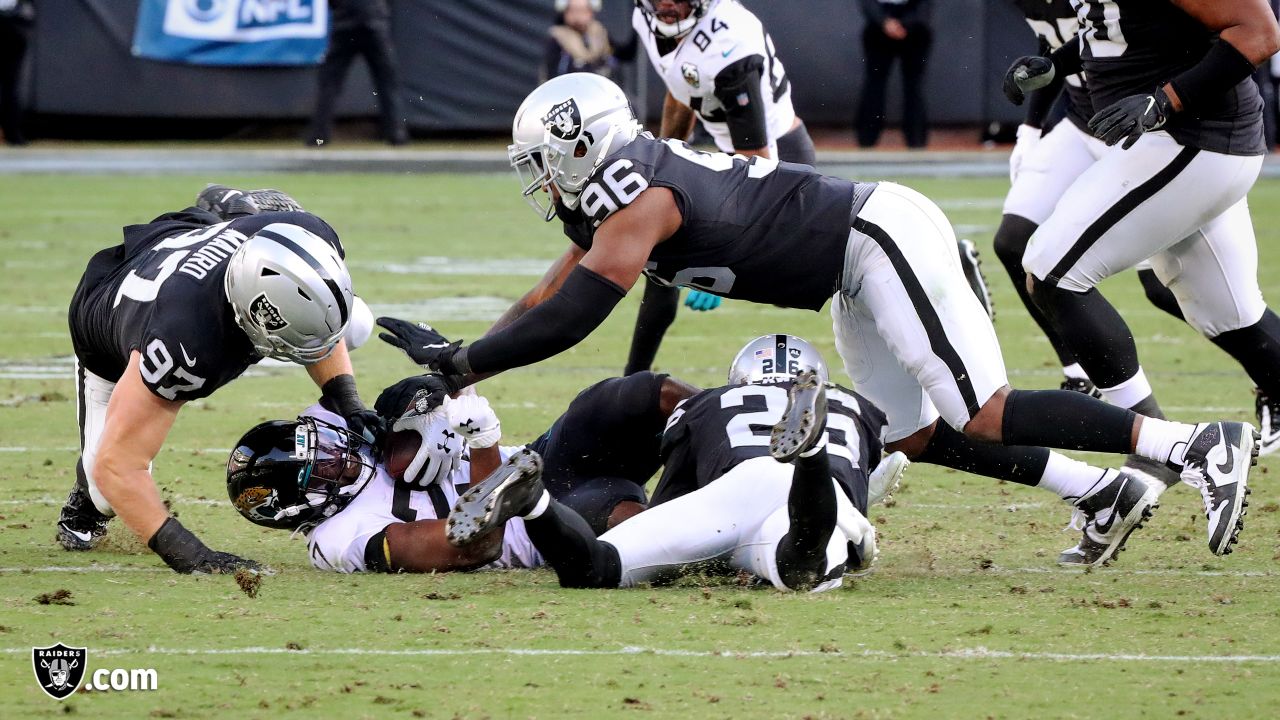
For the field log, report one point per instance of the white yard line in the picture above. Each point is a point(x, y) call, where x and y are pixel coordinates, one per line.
point(976, 653)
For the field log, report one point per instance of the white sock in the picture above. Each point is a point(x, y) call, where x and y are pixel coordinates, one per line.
point(1163, 440)
point(1069, 479)
point(1130, 392)
point(1075, 372)
point(817, 447)
point(539, 507)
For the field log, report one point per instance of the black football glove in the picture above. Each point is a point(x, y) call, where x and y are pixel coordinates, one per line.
point(1027, 74)
point(339, 395)
point(368, 424)
point(422, 344)
point(182, 550)
point(1128, 118)
point(394, 401)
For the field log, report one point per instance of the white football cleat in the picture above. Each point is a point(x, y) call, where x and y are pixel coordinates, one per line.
point(1217, 463)
point(885, 478)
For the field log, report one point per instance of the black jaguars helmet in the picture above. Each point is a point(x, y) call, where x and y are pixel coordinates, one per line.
point(293, 474)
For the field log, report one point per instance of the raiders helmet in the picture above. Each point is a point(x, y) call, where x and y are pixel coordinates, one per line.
point(291, 293)
point(291, 474)
point(775, 358)
point(697, 10)
point(563, 131)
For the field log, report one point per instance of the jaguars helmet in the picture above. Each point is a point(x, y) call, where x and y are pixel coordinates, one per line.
point(698, 9)
point(290, 292)
point(775, 358)
point(563, 131)
point(293, 474)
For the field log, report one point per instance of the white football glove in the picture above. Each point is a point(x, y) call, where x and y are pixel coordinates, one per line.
point(441, 447)
point(1028, 138)
point(471, 417)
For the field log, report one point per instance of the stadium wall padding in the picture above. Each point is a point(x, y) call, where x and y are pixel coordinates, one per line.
point(466, 65)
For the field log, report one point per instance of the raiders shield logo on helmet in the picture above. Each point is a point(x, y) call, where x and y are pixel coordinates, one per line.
point(565, 120)
point(267, 315)
point(59, 669)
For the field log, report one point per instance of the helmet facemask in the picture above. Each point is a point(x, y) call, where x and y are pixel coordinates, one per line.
point(678, 29)
point(336, 466)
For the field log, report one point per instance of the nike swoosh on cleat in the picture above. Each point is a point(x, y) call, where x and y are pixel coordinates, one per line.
point(83, 536)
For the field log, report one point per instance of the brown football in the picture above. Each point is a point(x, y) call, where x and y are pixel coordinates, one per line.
point(401, 447)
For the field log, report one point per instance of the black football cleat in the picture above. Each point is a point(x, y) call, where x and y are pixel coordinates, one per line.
point(804, 421)
point(1268, 409)
point(1082, 386)
point(229, 203)
point(80, 525)
point(510, 491)
point(972, 266)
point(1108, 516)
point(1217, 462)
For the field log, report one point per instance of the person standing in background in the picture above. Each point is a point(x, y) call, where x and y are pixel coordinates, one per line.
point(359, 27)
point(16, 19)
point(895, 29)
point(578, 42)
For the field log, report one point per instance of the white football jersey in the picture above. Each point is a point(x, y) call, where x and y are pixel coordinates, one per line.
point(727, 34)
point(338, 543)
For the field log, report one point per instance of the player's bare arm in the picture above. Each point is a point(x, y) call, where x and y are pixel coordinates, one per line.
point(546, 287)
point(1247, 26)
point(624, 241)
point(677, 119)
point(136, 425)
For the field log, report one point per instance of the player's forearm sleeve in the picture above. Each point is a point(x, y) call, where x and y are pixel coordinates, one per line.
point(1066, 59)
point(1040, 102)
point(738, 89)
point(559, 323)
point(1221, 69)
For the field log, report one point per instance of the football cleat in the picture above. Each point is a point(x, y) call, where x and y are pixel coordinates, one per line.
point(884, 479)
point(80, 525)
point(1106, 517)
point(1217, 463)
point(1084, 386)
point(510, 491)
point(229, 203)
point(972, 266)
point(1268, 423)
point(804, 422)
point(1158, 475)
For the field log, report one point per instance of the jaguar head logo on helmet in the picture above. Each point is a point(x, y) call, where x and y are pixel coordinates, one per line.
point(562, 132)
point(290, 292)
point(775, 358)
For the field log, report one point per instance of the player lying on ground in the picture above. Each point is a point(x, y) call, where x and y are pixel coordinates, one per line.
point(719, 66)
point(1097, 209)
point(369, 510)
point(914, 338)
point(767, 475)
point(183, 306)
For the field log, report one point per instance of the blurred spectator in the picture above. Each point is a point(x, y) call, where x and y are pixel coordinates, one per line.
point(359, 27)
point(16, 18)
point(895, 29)
point(578, 42)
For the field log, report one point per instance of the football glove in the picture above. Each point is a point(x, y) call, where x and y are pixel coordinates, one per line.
point(701, 301)
point(185, 553)
point(396, 399)
point(422, 343)
point(441, 447)
point(471, 417)
point(1128, 118)
point(341, 396)
point(1028, 139)
point(1027, 74)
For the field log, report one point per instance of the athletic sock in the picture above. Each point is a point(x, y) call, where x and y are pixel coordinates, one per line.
point(539, 507)
point(1095, 332)
point(1149, 407)
point(1010, 244)
point(1128, 393)
point(569, 546)
point(1069, 479)
point(1257, 349)
point(950, 448)
point(1067, 420)
point(811, 510)
point(1164, 441)
point(657, 311)
point(1075, 372)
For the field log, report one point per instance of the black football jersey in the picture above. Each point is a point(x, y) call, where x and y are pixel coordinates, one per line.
point(1132, 47)
point(161, 293)
point(610, 430)
point(753, 229)
point(1055, 23)
point(715, 430)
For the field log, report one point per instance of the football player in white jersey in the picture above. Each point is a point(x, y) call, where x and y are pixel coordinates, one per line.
point(719, 66)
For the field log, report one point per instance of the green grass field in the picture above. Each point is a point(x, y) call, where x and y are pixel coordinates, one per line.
point(967, 616)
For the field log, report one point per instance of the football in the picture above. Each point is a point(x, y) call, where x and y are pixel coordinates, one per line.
point(401, 447)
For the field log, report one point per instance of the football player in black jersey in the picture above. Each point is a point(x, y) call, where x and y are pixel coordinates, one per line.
point(915, 339)
point(767, 475)
point(1170, 83)
point(183, 306)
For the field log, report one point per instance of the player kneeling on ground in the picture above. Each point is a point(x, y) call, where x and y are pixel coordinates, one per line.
point(766, 475)
point(184, 305)
point(366, 510)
